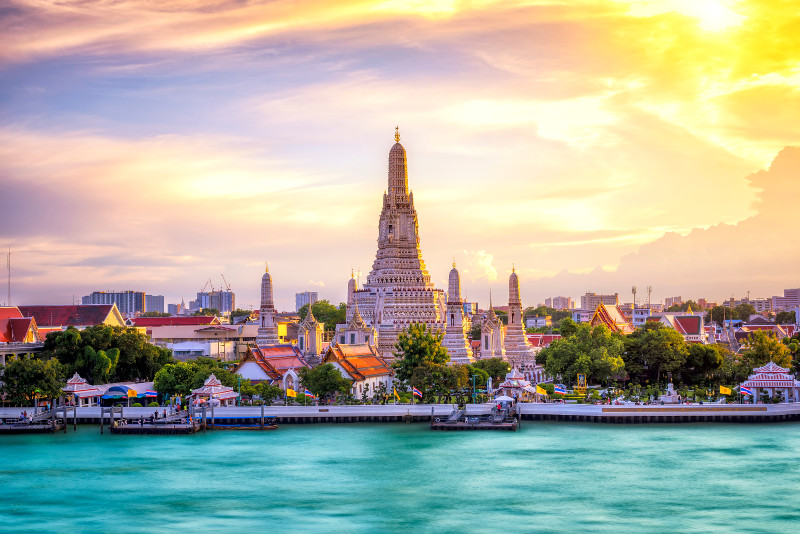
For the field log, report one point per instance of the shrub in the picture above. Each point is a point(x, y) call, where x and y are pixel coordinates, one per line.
point(136, 405)
point(153, 404)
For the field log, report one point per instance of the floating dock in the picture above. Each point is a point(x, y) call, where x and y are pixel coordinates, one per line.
point(461, 420)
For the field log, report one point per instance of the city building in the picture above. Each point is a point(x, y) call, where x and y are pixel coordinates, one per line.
point(582, 316)
point(789, 301)
point(640, 316)
point(129, 303)
point(304, 298)
point(154, 303)
point(18, 334)
point(538, 321)
point(672, 301)
point(398, 290)
point(690, 326)
point(590, 301)
point(224, 301)
point(227, 342)
point(559, 303)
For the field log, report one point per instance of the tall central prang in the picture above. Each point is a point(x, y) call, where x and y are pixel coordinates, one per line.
point(398, 290)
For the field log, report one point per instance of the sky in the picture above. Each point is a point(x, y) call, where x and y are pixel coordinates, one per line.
point(592, 145)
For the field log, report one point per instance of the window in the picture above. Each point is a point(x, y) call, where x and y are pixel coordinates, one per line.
point(366, 339)
point(485, 342)
point(352, 339)
point(341, 340)
point(301, 342)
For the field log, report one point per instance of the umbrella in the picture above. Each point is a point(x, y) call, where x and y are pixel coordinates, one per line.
point(504, 398)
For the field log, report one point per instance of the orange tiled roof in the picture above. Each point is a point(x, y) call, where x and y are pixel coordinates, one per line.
point(361, 361)
point(71, 315)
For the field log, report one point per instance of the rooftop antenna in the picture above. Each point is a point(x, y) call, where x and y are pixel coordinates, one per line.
point(633, 290)
point(649, 290)
point(8, 264)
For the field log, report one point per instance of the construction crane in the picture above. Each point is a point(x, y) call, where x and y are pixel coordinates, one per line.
point(208, 283)
point(227, 285)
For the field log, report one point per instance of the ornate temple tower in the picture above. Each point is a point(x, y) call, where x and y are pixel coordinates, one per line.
point(492, 335)
point(309, 337)
point(267, 329)
point(455, 337)
point(519, 351)
point(398, 290)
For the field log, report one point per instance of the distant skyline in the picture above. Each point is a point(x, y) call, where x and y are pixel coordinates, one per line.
point(595, 145)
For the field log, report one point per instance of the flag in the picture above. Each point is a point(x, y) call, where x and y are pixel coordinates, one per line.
point(559, 389)
point(725, 391)
point(308, 393)
point(540, 390)
point(745, 391)
point(291, 393)
point(416, 392)
point(395, 394)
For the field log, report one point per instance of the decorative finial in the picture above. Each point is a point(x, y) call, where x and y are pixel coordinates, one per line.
point(513, 268)
point(352, 274)
point(266, 269)
point(396, 134)
point(454, 262)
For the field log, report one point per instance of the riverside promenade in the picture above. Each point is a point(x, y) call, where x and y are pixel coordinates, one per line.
point(528, 412)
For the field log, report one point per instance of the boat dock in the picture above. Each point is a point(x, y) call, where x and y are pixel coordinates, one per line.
point(674, 413)
point(473, 419)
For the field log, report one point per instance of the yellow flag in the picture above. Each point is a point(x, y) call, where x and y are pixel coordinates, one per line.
point(291, 393)
point(395, 394)
point(540, 390)
point(724, 390)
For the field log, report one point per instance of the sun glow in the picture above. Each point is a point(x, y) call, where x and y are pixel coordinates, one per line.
point(712, 15)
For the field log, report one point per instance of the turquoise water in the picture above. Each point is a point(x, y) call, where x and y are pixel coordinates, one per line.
point(554, 477)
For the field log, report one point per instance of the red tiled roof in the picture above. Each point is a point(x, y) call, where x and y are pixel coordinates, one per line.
point(77, 315)
point(175, 321)
point(361, 361)
point(276, 360)
point(6, 315)
point(688, 324)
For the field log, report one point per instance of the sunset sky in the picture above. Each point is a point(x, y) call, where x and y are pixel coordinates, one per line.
point(151, 145)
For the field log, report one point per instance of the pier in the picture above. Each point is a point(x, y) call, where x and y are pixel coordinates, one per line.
point(257, 417)
point(475, 417)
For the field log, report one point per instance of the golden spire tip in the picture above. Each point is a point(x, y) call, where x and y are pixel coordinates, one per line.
point(396, 134)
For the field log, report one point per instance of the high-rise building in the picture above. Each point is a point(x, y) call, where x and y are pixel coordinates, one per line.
point(590, 301)
point(154, 303)
point(304, 298)
point(560, 303)
point(672, 301)
point(789, 300)
point(224, 301)
point(128, 302)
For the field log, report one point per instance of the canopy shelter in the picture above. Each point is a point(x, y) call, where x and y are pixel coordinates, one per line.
point(213, 391)
point(772, 378)
point(84, 393)
point(516, 386)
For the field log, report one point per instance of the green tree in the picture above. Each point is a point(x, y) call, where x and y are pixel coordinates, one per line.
point(239, 313)
point(762, 347)
point(701, 362)
point(654, 350)
point(417, 346)
point(567, 327)
point(785, 317)
point(719, 313)
point(324, 380)
point(744, 311)
point(154, 314)
point(175, 378)
point(475, 332)
point(126, 353)
point(595, 352)
point(207, 312)
point(496, 368)
point(326, 313)
point(26, 378)
point(503, 316)
point(268, 392)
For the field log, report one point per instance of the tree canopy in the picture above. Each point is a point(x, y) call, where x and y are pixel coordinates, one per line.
point(417, 346)
point(326, 313)
point(180, 378)
point(762, 347)
point(785, 317)
point(653, 351)
point(595, 352)
point(496, 368)
point(25, 378)
point(324, 380)
point(106, 353)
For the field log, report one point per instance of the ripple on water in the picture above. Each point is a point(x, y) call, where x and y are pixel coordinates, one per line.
point(389, 478)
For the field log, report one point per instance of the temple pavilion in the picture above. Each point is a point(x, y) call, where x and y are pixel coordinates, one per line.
point(213, 390)
point(84, 393)
point(772, 378)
